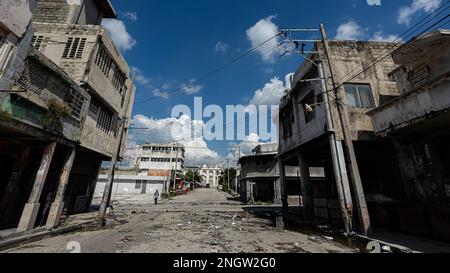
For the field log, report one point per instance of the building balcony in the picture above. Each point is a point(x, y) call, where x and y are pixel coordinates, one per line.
point(47, 99)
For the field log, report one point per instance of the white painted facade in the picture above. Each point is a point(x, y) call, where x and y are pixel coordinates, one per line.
point(210, 176)
point(131, 185)
point(161, 157)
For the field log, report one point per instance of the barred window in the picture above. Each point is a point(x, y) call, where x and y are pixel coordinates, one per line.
point(103, 60)
point(105, 63)
point(118, 80)
point(74, 48)
point(39, 42)
point(104, 119)
point(76, 103)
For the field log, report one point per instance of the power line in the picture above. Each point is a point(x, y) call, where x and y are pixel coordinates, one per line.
point(217, 70)
point(389, 53)
point(396, 44)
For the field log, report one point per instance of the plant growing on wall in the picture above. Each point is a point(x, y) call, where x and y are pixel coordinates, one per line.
point(5, 115)
point(57, 112)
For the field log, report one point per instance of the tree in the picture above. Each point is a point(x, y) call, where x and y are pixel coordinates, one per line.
point(223, 180)
point(190, 175)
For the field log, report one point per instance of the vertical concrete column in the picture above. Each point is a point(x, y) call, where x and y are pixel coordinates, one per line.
point(56, 209)
point(305, 184)
point(282, 192)
point(277, 191)
point(31, 209)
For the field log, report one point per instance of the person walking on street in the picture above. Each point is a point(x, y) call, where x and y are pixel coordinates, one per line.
point(156, 197)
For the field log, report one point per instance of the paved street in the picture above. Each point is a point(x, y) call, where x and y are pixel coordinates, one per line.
point(204, 221)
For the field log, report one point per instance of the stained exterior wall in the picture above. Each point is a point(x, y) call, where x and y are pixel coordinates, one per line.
point(85, 69)
point(346, 58)
point(44, 82)
point(15, 16)
point(86, 12)
point(426, 97)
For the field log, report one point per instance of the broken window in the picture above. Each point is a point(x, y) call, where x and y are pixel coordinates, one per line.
point(74, 48)
point(359, 95)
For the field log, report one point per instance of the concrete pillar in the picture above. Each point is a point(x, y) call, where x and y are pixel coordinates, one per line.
point(13, 184)
point(305, 185)
point(29, 214)
point(277, 191)
point(58, 204)
point(282, 185)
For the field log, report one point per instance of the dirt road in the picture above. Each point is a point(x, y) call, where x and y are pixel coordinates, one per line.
point(204, 221)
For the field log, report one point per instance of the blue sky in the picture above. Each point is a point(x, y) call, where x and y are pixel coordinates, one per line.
point(173, 42)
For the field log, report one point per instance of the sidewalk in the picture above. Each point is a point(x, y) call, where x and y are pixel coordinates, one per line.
point(406, 243)
point(10, 238)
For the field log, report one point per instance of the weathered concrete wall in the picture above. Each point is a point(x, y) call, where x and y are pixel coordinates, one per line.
point(15, 16)
point(85, 71)
point(429, 57)
point(423, 98)
point(346, 58)
point(350, 56)
point(43, 81)
point(254, 166)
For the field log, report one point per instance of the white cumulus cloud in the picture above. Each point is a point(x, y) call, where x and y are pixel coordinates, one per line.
point(406, 13)
point(379, 36)
point(263, 30)
point(119, 34)
point(350, 30)
point(161, 94)
point(189, 133)
point(191, 87)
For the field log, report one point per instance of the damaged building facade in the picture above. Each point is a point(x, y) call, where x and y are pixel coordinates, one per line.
point(397, 112)
point(311, 136)
point(259, 177)
point(66, 87)
point(418, 125)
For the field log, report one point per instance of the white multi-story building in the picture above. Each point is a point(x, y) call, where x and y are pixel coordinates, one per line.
point(161, 157)
point(155, 169)
point(210, 176)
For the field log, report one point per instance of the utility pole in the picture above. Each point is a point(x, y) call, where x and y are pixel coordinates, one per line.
point(101, 222)
point(354, 170)
point(228, 173)
point(176, 169)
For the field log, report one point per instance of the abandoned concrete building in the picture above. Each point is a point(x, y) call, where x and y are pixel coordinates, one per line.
point(418, 124)
point(259, 177)
point(68, 87)
point(311, 136)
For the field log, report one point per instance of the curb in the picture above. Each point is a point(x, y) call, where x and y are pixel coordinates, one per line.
point(393, 247)
point(29, 238)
